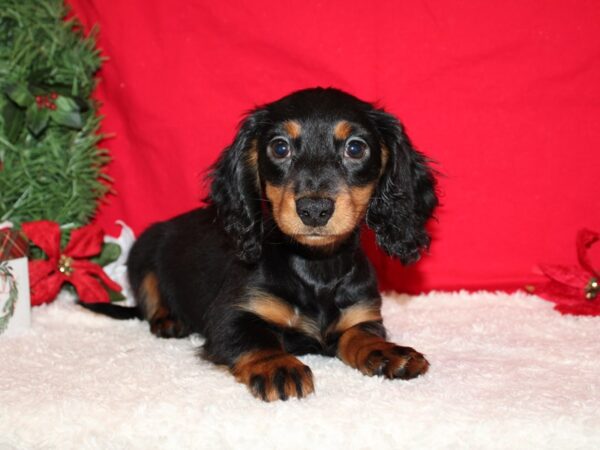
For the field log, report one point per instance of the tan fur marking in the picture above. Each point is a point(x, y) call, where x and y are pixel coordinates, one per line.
point(360, 197)
point(279, 312)
point(274, 194)
point(321, 241)
point(356, 314)
point(150, 296)
point(284, 208)
point(272, 310)
point(350, 207)
point(342, 130)
point(292, 128)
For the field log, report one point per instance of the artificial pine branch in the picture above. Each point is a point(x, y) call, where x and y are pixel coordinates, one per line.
point(50, 164)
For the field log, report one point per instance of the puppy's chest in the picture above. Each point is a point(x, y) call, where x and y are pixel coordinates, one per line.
point(304, 306)
point(305, 322)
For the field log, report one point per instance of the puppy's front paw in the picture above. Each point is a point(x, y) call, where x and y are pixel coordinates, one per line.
point(373, 355)
point(274, 375)
point(392, 361)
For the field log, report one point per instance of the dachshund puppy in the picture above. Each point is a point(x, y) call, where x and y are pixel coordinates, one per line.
point(272, 267)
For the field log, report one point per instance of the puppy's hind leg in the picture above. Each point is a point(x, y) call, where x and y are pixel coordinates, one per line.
point(156, 311)
point(141, 270)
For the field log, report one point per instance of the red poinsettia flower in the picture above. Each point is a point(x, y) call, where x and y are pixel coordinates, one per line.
point(574, 289)
point(68, 265)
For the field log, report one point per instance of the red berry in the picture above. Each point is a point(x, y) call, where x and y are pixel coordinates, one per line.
point(38, 98)
point(53, 95)
point(52, 106)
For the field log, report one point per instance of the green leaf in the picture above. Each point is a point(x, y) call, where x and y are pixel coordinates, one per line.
point(110, 253)
point(115, 296)
point(37, 119)
point(14, 121)
point(66, 104)
point(68, 119)
point(19, 94)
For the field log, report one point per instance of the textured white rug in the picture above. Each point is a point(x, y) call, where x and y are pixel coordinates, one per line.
point(506, 372)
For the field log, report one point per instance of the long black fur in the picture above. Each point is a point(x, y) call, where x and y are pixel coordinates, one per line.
point(405, 198)
point(233, 190)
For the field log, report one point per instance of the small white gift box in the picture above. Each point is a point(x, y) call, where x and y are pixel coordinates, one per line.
point(15, 304)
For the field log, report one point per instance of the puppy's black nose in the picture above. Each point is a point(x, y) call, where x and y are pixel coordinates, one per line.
point(314, 212)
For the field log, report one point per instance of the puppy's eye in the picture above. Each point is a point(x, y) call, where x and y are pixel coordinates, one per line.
point(279, 148)
point(356, 148)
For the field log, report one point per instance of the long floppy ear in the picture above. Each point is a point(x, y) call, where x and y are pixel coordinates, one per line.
point(405, 197)
point(235, 188)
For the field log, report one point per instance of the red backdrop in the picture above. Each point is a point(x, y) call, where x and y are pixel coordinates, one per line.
point(504, 95)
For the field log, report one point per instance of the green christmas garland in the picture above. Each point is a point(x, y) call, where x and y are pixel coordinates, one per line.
point(50, 164)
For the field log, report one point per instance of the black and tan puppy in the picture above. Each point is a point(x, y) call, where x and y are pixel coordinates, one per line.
point(272, 266)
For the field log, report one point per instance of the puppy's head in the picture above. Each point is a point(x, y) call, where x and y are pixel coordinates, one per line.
point(324, 161)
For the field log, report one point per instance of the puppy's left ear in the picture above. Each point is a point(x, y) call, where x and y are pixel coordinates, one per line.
point(405, 197)
point(235, 188)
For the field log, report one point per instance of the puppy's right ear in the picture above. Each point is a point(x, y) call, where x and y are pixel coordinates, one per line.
point(235, 188)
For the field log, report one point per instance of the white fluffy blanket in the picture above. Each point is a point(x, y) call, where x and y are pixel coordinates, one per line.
point(506, 372)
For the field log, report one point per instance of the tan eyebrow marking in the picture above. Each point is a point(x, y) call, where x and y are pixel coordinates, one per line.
point(292, 128)
point(342, 130)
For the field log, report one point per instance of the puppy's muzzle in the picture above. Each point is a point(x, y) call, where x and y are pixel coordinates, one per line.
point(315, 212)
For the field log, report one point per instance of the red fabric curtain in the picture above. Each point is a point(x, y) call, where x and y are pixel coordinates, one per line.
point(505, 96)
